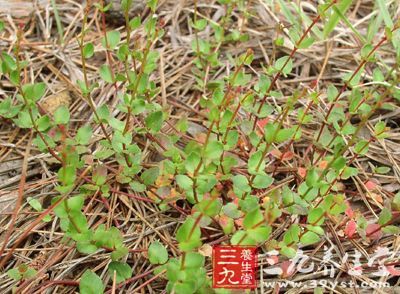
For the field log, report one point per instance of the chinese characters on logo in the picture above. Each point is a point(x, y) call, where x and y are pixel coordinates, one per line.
point(302, 263)
point(234, 267)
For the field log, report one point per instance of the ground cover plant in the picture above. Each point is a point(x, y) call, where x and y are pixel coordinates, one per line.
point(135, 136)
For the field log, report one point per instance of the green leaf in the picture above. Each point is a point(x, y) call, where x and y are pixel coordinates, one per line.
point(361, 147)
point(184, 182)
point(284, 134)
point(385, 216)
point(103, 112)
point(152, 4)
point(231, 210)
point(83, 135)
point(284, 64)
point(382, 170)
point(9, 62)
point(256, 163)
point(252, 218)
point(14, 274)
point(332, 93)
point(86, 247)
point(90, 283)
point(150, 175)
point(316, 229)
point(384, 12)
point(396, 201)
point(262, 181)
point(260, 234)
point(43, 123)
point(106, 74)
point(292, 234)
point(243, 238)
point(88, 50)
point(113, 38)
point(33, 92)
point(349, 24)
point(312, 178)
point(126, 5)
point(61, 115)
point(154, 121)
point(188, 235)
point(288, 251)
point(270, 131)
point(339, 163)
point(309, 238)
point(200, 24)
point(306, 43)
point(123, 271)
point(213, 150)
point(379, 130)
point(393, 230)
point(75, 203)
point(241, 183)
point(334, 18)
point(67, 175)
point(349, 172)
point(24, 120)
point(315, 216)
point(120, 252)
point(157, 253)
point(210, 207)
point(194, 260)
point(192, 161)
point(134, 23)
point(137, 187)
point(36, 205)
point(80, 223)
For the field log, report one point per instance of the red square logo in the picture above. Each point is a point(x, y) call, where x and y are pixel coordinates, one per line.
point(235, 267)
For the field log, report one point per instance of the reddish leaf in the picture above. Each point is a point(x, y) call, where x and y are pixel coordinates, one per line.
point(349, 211)
point(262, 122)
point(288, 155)
point(223, 220)
point(287, 268)
point(373, 231)
point(239, 222)
point(323, 164)
point(276, 153)
point(313, 83)
point(271, 260)
point(302, 172)
point(370, 185)
point(392, 270)
point(236, 201)
point(350, 228)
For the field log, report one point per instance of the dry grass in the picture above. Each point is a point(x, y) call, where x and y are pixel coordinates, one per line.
point(25, 172)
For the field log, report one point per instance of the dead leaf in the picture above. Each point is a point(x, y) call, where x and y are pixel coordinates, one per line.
point(373, 231)
point(205, 250)
point(378, 198)
point(21, 8)
point(52, 102)
point(7, 202)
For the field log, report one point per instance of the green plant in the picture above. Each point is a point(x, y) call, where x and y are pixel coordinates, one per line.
point(21, 272)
